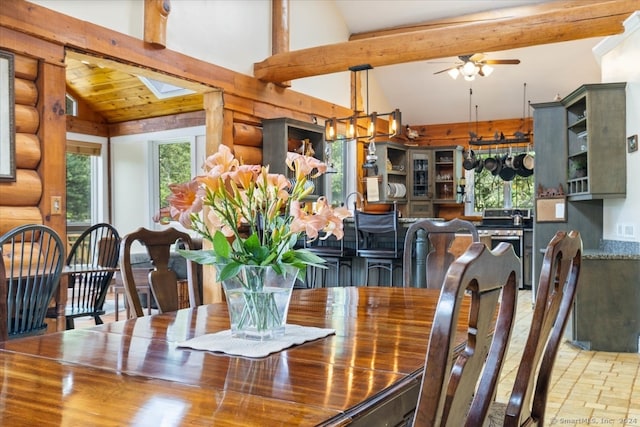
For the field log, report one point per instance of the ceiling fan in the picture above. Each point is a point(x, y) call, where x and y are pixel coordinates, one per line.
point(475, 65)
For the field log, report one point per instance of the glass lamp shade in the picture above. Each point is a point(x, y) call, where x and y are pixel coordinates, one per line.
point(454, 73)
point(330, 129)
point(470, 69)
point(486, 70)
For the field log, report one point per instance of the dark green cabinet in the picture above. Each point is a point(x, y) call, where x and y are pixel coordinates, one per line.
point(596, 142)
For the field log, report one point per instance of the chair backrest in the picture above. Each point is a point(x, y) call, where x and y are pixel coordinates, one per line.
point(33, 257)
point(438, 236)
point(371, 227)
point(97, 247)
point(458, 387)
point(556, 293)
point(3, 301)
point(162, 280)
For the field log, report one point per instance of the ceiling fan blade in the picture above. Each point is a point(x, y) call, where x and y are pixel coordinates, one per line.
point(501, 61)
point(476, 57)
point(445, 70)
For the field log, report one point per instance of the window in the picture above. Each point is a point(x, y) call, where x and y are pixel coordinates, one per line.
point(173, 161)
point(335, 154)
point(85, 192)
point(484, 190)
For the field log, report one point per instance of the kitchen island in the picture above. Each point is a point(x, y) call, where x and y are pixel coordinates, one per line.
point(606, 314)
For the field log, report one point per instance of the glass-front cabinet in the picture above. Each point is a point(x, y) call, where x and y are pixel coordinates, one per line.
point(420, 183)
point(446, 170)
point(420, 178)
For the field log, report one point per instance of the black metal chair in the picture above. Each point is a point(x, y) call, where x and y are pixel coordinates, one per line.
point(95, 257)
point(337, 256)
point(377, 241)
point(33, 257)
point(437, 236)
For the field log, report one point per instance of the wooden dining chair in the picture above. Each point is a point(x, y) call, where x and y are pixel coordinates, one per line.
point(4, 334)
point(458, 385)
point(162, 280)
point(556, 293)
point(33, 258)
point(95, 256)
point(438, 237)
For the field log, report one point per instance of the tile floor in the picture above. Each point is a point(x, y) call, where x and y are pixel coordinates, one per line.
point(589, 388)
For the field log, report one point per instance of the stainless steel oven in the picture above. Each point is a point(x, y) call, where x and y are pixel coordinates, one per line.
point(500, 225)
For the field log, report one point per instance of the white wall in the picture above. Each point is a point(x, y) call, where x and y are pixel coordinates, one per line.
point(233, 34)
point(131, 181)
point(620, 62)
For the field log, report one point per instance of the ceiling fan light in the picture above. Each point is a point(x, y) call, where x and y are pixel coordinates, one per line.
point(454, 73)
point(469, 69)
point(470, 78)
point(487, 70)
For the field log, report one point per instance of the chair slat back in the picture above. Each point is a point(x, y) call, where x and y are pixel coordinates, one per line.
point(440, 236)
point(457, 390)
point(4, 334)
point(162, 280)
point(97, 247)
point(554, 300)
point(33, 257)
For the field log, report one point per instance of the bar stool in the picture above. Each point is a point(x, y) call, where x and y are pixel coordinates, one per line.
point(337, 256)
point(373, 232)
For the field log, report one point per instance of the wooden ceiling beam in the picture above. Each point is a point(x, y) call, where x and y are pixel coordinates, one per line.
point(569, 20)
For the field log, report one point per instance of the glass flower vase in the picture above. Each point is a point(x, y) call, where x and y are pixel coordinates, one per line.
point(258, 301)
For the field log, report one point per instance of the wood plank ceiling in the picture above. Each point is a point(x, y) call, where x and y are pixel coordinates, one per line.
point(116, 93)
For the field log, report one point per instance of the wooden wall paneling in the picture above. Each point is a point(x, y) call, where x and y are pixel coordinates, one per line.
point(25, 191)
point(27, 119)
point(28, 152)
point(248, 155)
point(244, 134)
point(458, 133)
point(15, 216)
point(26, 92)
point(25, 67)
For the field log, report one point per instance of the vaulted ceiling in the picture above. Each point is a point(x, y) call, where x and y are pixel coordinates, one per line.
point(116, 92)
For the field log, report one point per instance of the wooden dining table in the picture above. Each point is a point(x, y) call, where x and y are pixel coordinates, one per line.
point(132, 372)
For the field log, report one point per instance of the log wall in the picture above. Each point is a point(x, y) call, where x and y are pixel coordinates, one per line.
point(19, 200)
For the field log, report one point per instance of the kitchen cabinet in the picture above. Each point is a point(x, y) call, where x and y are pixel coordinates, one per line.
point(392, 171)
point(595, 138)
point(420, 182)
point(446, 170)
point(284, 134)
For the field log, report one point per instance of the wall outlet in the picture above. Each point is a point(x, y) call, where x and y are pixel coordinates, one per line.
point(56, 205)
point(626, 230)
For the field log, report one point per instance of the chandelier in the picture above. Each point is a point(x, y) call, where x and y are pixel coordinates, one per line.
point(362, 126)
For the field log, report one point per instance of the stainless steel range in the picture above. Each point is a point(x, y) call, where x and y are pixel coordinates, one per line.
point(512, 226)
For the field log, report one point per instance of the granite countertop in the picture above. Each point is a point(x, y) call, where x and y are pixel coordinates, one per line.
point(601, 254)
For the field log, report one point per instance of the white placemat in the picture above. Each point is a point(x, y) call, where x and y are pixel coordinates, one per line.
point(223, 341)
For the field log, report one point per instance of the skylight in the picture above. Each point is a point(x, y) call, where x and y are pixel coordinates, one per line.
point(164, 90)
